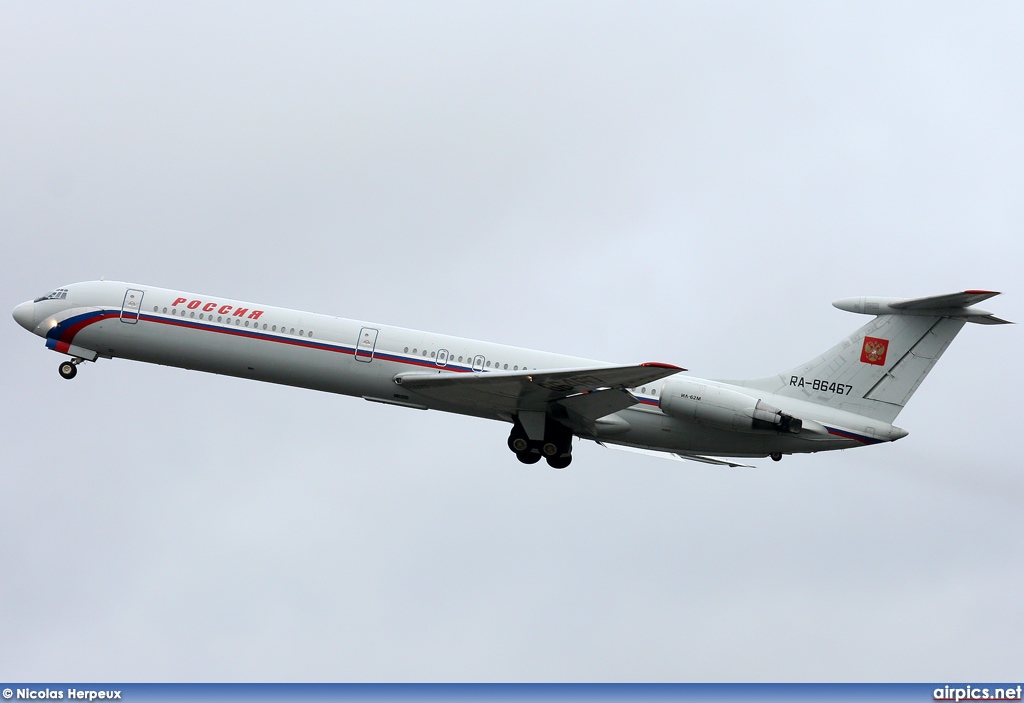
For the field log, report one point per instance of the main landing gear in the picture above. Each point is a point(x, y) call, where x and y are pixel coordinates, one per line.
point(556, 446)
point(69, 369)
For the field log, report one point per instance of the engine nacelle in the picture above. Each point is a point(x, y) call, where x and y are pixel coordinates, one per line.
point(691, 400)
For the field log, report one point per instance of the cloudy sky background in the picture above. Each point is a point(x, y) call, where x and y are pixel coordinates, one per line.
point(690, 183)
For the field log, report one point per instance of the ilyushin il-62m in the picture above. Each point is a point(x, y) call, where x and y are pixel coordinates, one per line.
point(846, 397)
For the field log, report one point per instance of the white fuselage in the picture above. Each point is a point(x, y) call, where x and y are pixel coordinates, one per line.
point(110, 319)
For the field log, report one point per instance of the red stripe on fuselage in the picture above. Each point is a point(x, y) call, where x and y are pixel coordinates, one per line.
point(850, 435)
point(68, 335)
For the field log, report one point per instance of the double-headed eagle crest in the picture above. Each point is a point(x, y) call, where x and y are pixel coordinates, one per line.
point(874, 351)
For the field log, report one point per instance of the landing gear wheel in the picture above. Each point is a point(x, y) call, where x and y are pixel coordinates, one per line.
point(559, 462)
point(517, 439)
point(528, 457)
point(776, 456)
point(518, 444)
point(67, 370)
point(549, 449)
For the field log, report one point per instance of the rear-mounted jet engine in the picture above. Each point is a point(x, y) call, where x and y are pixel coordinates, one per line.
point(690, 400)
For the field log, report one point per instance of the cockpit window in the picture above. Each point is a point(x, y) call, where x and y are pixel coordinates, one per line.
point(59, 294)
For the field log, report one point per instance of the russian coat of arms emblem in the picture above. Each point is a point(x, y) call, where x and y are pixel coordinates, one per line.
point(874, 351)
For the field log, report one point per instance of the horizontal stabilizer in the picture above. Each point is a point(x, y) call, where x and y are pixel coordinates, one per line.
point(954, 305)
point(950, 300)
point(983, 319)
point(514, 391)
point(678, 457)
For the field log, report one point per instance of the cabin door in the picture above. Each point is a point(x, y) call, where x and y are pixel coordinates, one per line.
point(131, 306)
point(366, 344)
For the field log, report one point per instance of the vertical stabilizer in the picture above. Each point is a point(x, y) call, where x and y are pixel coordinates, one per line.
point(876, 370)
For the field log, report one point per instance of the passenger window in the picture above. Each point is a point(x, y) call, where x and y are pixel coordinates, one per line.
point(406, 350)
point(515, 368)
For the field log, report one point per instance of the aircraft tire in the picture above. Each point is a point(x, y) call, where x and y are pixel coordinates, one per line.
point(67, 370)
point(528, 457)
point(522, 442)
point(776, 456)
point(560, 462)
point(549, 449)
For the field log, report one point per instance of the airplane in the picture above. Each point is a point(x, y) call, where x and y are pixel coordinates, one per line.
point(846, 397)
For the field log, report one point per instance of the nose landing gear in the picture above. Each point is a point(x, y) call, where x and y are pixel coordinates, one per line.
point(69, 369)
point(776, 456)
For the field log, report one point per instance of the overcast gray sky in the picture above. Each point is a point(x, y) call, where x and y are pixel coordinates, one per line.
point(691, 183)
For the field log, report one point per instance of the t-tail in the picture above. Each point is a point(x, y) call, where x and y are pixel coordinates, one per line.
point(876, 370)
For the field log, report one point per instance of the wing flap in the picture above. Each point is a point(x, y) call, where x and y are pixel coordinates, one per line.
point(586, 409)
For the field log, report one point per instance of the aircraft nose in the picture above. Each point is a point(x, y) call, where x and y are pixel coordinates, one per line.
point(25, 315)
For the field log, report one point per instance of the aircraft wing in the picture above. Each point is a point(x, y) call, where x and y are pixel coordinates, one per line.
point(676, 456)
point(585, 390)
